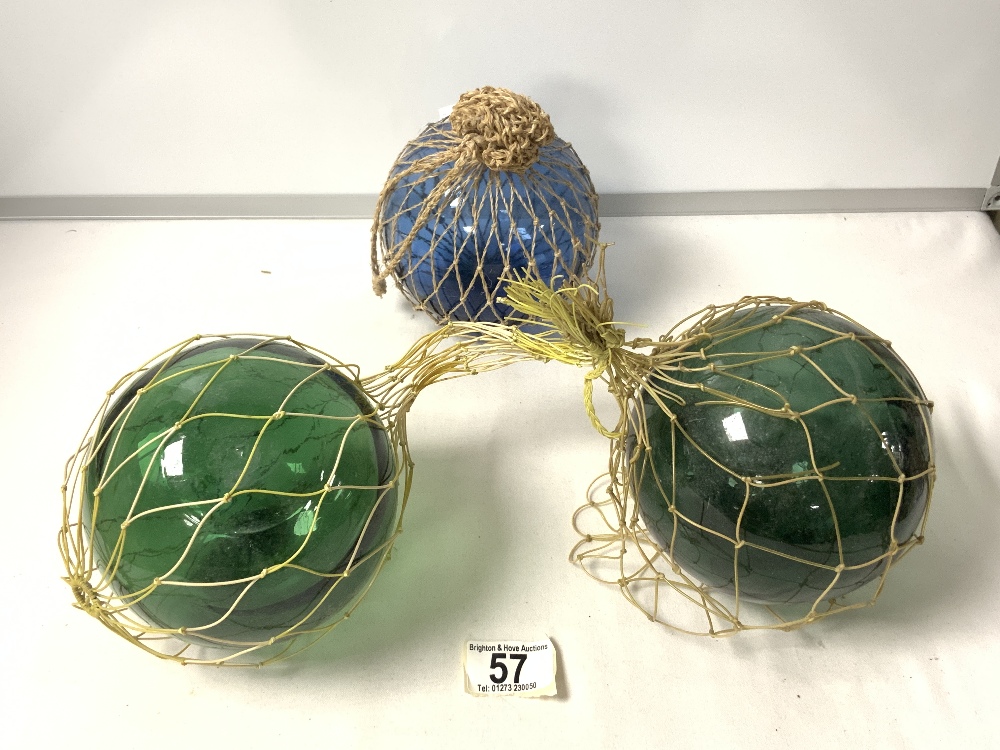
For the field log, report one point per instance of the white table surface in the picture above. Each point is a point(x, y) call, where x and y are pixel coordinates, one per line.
point(502, 461)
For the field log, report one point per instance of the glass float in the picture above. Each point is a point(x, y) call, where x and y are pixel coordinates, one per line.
point(235, 495)
point(487, 193)
point(773, 452)
point(795, 461)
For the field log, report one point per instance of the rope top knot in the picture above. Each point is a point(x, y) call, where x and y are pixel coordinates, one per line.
point(500, 128)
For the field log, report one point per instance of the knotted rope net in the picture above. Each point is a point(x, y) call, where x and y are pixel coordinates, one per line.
point(487, 193)
point(771, 462)
point(236, 496)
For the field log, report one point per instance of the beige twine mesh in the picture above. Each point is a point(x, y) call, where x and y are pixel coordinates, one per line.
point(490, 131)
point(391, 393)
point(576, 327)
point(615, 547)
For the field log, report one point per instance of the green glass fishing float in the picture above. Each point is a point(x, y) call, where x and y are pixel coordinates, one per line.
point(237, 494)
point(768, 452)
point(792, 463)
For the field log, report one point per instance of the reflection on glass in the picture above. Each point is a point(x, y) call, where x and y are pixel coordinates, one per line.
point(734, 427)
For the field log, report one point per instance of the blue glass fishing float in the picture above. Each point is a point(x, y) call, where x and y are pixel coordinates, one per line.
point(486, 194)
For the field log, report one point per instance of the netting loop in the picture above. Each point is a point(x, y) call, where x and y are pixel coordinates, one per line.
point(582, 319)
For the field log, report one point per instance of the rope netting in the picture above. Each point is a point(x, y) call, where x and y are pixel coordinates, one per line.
point(235, 497)
point(487, 193)
point(772, 460)
point(710, 537)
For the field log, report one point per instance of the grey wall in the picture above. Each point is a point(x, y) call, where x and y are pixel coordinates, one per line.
point(294, 97)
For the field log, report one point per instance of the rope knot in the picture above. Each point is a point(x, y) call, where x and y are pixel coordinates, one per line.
point(600, 339)
point(501, 129)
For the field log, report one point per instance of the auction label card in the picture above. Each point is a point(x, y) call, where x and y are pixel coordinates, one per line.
point(519, 668)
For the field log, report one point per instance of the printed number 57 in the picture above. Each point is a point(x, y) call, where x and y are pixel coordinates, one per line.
point(497, 663)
